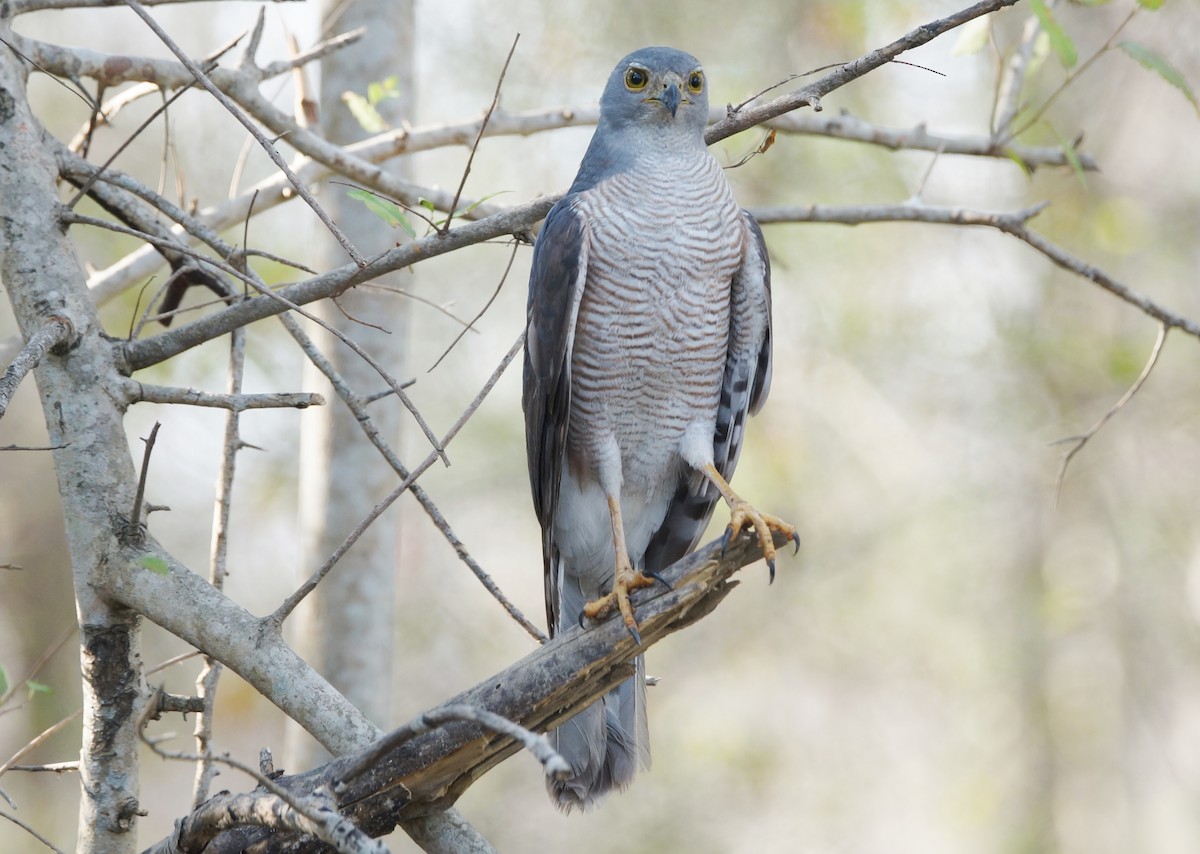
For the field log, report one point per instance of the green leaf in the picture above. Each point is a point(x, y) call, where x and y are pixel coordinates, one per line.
point(389, 212)
point(383, 90)
point(1068, 150)
point(1059, 40)
point(1017, 159)
point(155, 564)
point(364, 113)
point(37, 688)
point(479, 202)
point(1154, 61)
point(1152, 5)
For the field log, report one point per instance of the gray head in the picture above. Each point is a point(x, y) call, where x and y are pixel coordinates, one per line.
point(656, 87)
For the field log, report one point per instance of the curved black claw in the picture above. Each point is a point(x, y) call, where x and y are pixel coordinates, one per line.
point(657, 578)
point(725, 541)
point(581, 619)
point(796, 537)
point(771, 568)
point(637, 638)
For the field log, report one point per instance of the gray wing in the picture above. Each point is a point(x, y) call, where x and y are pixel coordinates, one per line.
point(555, 286)
point(743, 391)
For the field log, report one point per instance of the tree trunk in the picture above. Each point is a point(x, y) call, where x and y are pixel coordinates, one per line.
point(95, 474)
point(346, 627)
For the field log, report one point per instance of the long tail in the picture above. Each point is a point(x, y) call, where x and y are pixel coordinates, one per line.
point(608, 741)
point(605, 745)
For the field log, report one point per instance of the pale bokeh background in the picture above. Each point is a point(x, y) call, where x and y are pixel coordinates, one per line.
point(953, 663)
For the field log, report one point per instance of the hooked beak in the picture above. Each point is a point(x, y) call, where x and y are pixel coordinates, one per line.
point(669, 98)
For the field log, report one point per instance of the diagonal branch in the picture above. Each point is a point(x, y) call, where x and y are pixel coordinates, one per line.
point(1011, 223)
point(275, 190)
point(430, 771)
point(810, 95)
point(517, 220)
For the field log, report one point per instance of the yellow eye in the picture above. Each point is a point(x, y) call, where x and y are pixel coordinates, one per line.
point(636, 79)
point(695, 82)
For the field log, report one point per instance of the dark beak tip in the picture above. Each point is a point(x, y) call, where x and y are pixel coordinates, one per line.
point(671, 98)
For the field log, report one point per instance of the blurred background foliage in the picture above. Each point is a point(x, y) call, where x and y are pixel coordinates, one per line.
point(954, 663)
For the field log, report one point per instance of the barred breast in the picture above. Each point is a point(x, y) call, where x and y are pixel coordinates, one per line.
point(653, 324)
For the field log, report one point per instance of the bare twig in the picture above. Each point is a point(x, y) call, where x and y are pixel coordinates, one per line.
point(1083, 439)
point(1010, 223)
point(49, 767)
point(241, 116)
point(318, 51)
point(39, 739)
point(54, 647)
point(139, 392)
point(811, 94)
point(276, 619)
point(133, 530)
point(552, 762)
point(210, 674)
point(1075, 73)
point(57, 330)
point(440, 309)
point(283, 304)
point(207, 64)
point(767, 141)
point(31, 831)
point(172, 661)
point(357, 405)
point(1012, 79)
point(482, 127)
point(20, 7)
point(470, 326)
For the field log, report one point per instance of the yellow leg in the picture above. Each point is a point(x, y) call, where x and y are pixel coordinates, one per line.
point(625, 580)
point(741, 512)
